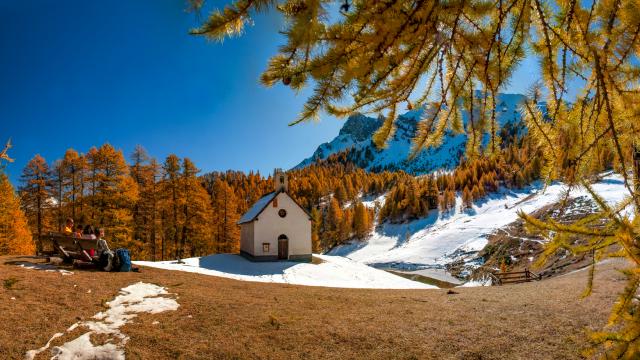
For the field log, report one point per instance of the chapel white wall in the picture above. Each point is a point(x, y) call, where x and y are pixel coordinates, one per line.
point(269, 226)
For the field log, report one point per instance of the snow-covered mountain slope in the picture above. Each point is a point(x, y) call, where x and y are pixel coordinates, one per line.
point(359, 129)
point(440, 239)
point(332, 271)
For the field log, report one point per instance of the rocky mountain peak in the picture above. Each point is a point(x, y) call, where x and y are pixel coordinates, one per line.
point(360, 127)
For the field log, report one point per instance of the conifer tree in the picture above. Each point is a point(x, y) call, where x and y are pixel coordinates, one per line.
point(335, 219)
point(73, 169)
point(316, 226)
point(15, 237)
point(345, 226)
point(450, 199)
point(172, 200)
point(361, 221)
point(197, 212)
point(143, 178)
point(93, 165)
point(56, 181)
point(467, 198)
point(145, 172)
point(433, 193)
point(149, 195)
point(115, 192)
point(34, 195)
point(340, 194)
point(225, 218)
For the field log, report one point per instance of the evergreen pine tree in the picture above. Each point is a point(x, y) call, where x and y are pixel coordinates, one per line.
point(34, 196)
point(335, 219)
point(316, 227)
point(73, 168)
point(467, 198)
point(340, 194)
point(115, 193)
point(361, 221)
point(196, 229)
point(172, 201)
point(225, 218)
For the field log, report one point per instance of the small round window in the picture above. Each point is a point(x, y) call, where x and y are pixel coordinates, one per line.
point(282, 213)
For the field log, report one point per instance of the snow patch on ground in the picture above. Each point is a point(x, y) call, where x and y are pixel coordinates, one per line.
point(476, 283)
point(372, 201)
point(132, 300)
point(333, 271)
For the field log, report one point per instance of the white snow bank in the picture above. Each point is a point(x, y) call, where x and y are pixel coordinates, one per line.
point(334, 271)
point(432, 240)
point(475, 283)
point(132, 300)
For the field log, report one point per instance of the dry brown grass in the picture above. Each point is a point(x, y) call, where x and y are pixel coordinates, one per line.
point(223, 318)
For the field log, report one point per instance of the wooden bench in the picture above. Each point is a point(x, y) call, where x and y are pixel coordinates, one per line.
point(69, 248)
point(515, 277)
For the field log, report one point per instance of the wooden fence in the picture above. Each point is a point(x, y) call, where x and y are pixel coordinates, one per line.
point(514, 277)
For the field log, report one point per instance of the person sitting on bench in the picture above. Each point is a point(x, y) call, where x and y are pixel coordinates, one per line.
point(88, 233)
point(104, 253)
point(78, 232)
point(68, 227)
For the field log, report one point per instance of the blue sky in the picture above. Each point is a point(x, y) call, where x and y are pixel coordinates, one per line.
point(80, 73)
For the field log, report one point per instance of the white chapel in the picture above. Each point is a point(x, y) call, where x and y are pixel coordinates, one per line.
point(276, 227)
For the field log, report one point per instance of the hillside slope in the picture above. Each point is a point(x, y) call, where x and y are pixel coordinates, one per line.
point(441, 239)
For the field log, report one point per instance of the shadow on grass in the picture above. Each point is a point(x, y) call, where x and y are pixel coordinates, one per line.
point(31, 265)
point(42, 266)
point(238, 265)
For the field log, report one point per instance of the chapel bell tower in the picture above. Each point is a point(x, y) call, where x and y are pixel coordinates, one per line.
point(280, 180)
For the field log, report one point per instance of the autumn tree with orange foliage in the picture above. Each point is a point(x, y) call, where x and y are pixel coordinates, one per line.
point(15, 237)
point(35, 196)
point(226, 233)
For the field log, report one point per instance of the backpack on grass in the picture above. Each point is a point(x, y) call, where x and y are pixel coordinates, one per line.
point(122, 261)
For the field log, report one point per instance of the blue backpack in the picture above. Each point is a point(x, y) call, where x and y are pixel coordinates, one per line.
point(124, 260)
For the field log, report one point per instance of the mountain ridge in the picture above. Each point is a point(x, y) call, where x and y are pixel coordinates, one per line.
point(357, 132)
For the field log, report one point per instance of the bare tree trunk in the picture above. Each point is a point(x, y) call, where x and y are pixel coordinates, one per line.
point(175, 222)
point(73, 192)
point(60, 217)
point(163, 235)
point(153, 222)
point(39, 221)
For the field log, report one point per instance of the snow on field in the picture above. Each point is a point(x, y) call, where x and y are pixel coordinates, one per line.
point(476, 283)
point(132, 300)
point(333, 271)
point(432, 241)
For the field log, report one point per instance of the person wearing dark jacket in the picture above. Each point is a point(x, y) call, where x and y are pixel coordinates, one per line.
point(104, 253)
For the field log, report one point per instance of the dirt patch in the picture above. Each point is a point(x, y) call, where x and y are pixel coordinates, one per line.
point(424, 279)
point(518, 248)
point(223, 318)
